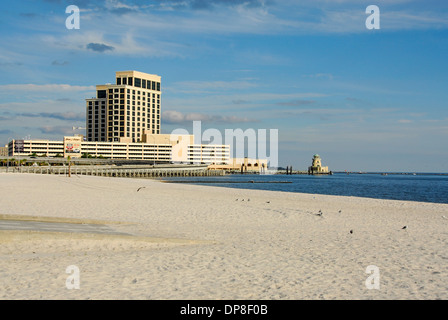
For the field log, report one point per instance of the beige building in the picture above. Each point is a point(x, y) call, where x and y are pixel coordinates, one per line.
point(4, 151)
point(161, 148)
point(125, 109)
point(316, 166)
point(243, 165)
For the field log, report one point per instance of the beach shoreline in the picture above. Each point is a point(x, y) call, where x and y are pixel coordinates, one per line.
point(228, 243)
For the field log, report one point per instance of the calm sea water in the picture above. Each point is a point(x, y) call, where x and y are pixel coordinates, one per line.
point(421, 187)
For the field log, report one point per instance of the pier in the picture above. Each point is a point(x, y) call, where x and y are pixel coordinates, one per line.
point(121, 171)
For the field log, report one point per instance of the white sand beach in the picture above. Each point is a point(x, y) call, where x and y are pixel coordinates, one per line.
point(200, 242)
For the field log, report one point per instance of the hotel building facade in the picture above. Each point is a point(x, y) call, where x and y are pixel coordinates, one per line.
point(120, 112)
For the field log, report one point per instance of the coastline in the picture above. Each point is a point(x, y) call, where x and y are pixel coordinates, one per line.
point(223, 248)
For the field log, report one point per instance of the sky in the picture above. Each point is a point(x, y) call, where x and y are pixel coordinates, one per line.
point(363, 99)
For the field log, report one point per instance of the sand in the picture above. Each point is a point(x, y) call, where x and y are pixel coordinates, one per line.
point(200, 242)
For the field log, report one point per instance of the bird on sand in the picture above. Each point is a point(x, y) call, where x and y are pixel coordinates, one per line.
point(140, 188)
point(405, 227)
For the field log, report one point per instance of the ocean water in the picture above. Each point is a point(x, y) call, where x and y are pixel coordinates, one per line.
point(420, 187)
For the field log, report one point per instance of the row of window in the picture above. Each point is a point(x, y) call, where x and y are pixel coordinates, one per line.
point(139, 83)
point(102, 94)
point(91, 103)
point(121, 96)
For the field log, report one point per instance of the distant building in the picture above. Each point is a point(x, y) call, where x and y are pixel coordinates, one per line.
point(120, 112)
point(159, 148)
point(243, 165)
point(316, 166)
point(4, 151)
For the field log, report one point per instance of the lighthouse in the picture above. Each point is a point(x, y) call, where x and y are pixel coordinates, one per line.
point(316, 166)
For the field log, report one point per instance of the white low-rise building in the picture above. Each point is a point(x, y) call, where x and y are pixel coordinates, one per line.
point(161, 148)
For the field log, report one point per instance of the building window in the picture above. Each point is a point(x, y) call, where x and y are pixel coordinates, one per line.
point(118, 81)
point(101, 94)
point(130, 81)
point(124, 81)
point(158, 86)
point(148, 85)
point(138, 82)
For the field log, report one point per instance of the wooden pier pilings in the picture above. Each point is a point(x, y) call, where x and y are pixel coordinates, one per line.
point(110, 171)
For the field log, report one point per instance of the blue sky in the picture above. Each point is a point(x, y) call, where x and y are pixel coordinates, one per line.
point(371, 100)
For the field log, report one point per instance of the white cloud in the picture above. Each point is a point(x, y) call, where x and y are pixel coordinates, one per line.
point(195, 86)
point(176, 117)
point(44, 87)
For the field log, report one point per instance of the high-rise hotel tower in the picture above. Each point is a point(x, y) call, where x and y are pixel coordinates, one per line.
point(122, 111)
